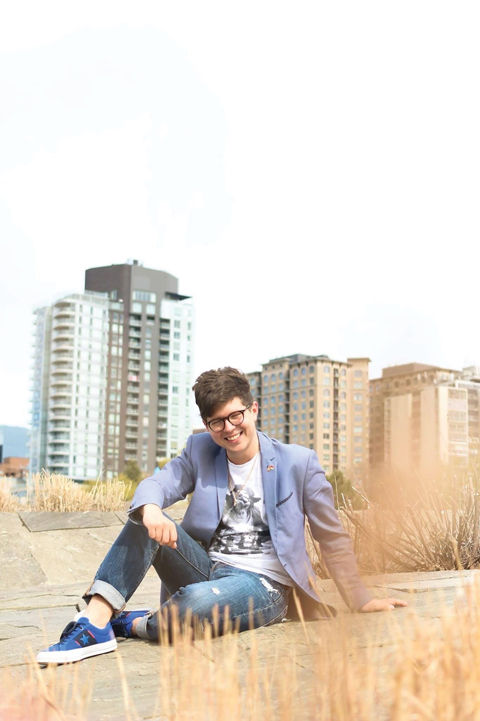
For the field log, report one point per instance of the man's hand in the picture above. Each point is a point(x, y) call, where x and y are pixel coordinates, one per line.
point(162, 529)
point(381, 604)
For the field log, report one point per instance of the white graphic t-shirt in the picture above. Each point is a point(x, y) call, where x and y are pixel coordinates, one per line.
point(242, 538)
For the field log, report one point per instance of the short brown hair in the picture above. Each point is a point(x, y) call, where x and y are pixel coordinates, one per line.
point(217, 387)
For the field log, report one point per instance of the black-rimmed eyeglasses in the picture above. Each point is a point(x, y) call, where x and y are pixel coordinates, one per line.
point(235, 419)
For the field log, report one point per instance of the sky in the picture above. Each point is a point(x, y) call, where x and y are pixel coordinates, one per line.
point(309, 171)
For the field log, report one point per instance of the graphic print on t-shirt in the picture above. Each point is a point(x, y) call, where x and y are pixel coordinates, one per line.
point(243, 528)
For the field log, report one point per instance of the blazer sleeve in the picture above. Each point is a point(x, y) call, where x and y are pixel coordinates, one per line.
point(334, 541)
point(170, 485)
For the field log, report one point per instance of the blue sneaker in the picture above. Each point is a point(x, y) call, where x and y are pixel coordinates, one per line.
point(122, 625)
point(79, 639)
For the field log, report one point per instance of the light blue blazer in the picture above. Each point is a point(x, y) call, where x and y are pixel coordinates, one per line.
point(294, 485)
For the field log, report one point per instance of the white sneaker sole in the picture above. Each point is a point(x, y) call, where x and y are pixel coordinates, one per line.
point(76, 654)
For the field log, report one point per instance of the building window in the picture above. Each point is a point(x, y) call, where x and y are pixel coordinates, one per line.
point(144, 295)
point(326, 369)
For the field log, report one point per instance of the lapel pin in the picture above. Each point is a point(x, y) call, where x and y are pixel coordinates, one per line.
point(270, 468)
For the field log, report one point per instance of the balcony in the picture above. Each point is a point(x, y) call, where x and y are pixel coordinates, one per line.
point(131, 447)
point(60, 414)
point(58, 456)
point(60, 400)
point(58, 453)
point(133, 389)
point(131, 433)
point(59, 466)
point(63, 323)
point(132, 399)
point(66, 310)
point(65, 380)
point(62, 367)
point(134, 333)
point(64, 401)
point(63, 335)
point(63, 346)
point(55, 425)
point(58, 438)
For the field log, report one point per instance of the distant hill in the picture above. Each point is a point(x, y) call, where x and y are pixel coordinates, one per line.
point(15, 440)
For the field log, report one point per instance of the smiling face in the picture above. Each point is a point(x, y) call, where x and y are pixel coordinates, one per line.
point(240, 442)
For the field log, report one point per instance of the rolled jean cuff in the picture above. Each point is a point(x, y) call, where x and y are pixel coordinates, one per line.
point(141, 627)
point(108, 592)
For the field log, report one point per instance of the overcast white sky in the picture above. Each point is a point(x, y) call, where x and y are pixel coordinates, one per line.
point(309, 171)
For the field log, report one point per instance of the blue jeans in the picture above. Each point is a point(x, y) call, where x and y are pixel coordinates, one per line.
point(198, 588)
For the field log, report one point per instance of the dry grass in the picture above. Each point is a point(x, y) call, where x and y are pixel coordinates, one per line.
point(432, 673)
point(8, 502)
point(433, 530)
point(429, 528)
point(54, 492)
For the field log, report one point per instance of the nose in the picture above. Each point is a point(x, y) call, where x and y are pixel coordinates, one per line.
point(229, 426)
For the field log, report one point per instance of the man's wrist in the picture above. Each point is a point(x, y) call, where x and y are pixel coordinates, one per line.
point(141, 510)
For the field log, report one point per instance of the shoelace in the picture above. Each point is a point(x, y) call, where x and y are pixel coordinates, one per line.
point(70, 629)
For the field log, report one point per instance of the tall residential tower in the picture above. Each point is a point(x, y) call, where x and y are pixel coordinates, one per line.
point(113, 374)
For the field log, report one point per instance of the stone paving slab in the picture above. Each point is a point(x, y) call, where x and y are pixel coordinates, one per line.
point(37, 521)
point(45, 573)
point(18, 567)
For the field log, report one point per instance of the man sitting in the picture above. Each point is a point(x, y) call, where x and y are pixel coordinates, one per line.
point(240, 549)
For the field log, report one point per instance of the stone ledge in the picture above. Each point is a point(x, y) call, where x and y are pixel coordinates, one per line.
point(37, 521)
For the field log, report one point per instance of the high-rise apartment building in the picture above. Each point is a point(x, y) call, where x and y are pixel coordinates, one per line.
point(423, 418)
point(71, 350)
point(124, 352)
point(319, 403)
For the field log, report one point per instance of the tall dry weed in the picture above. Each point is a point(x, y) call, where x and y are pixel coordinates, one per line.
point(54, 492)
point(429, 529)
point(8, 502)
point(429, 670)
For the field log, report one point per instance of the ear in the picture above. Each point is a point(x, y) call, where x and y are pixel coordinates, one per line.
point(255, 409)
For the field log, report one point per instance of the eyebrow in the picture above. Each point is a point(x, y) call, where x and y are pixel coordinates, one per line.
point(221, 418)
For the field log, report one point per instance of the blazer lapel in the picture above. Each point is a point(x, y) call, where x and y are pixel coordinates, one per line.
point(221, 480)
point(269, 479)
